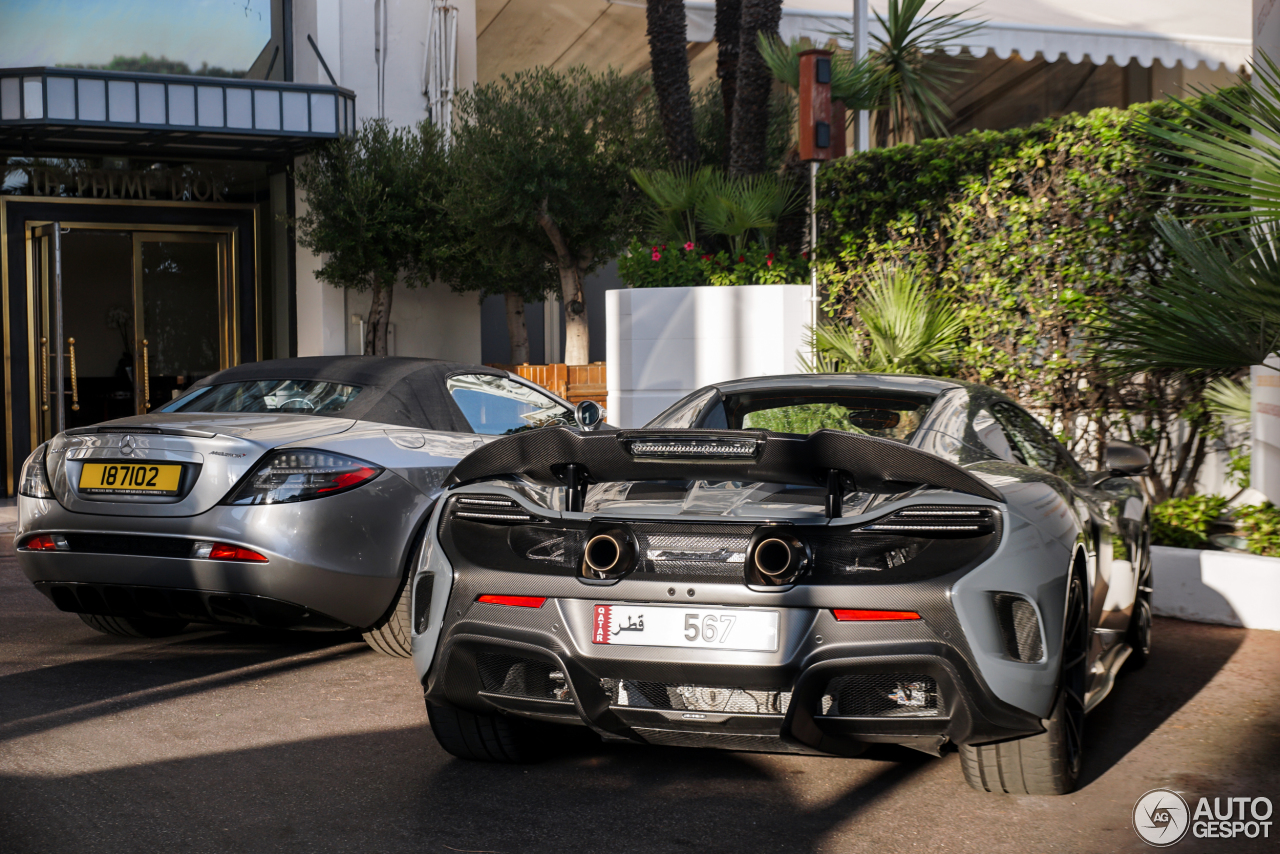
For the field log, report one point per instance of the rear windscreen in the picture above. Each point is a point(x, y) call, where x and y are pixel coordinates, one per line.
point(885, 415)
point(295, 397)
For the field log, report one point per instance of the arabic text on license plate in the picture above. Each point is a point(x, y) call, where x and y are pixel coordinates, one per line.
point(131, 478)
point(699, 628)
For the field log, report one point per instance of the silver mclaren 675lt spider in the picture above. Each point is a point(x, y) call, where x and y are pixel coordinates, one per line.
point(802, 564)
point(290, 493)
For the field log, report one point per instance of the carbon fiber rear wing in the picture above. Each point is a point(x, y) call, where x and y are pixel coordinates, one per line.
point(557, 456)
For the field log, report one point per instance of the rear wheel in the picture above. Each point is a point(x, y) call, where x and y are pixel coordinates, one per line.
point(1139, 635)
point(494, 738)
point(133, 627)
point(394, 637)
point(1047, 763)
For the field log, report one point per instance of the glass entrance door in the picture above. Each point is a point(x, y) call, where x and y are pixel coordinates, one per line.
point(183, 333)
point(125, 320)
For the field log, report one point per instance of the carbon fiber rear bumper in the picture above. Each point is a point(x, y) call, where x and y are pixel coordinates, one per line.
point(815, 650)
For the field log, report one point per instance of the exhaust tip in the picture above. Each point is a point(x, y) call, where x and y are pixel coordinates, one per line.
point(773, 557)
point(603, 553)
point(776, 558)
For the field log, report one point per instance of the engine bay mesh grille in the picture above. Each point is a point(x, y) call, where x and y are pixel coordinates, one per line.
point(882, 695)
point(695, 698)
point(517, 676)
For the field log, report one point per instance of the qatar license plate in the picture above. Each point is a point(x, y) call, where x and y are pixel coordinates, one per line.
point(697, 628)
point(131, 478)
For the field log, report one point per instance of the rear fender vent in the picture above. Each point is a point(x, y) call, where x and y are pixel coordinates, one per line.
point(1019, 627)
point(422, 587)
point(942, 521)
point(494, 509)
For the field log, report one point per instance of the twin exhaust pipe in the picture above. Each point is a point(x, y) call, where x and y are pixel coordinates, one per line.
point(774, 558)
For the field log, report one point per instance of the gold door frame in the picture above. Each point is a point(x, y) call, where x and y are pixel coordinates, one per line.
point(235, 247)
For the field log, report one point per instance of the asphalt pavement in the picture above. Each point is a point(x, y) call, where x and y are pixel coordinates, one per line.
point(221, 741)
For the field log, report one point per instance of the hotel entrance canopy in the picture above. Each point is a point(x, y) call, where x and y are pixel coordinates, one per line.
point(57, 111)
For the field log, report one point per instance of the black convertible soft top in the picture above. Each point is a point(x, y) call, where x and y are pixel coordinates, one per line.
point(394, 390)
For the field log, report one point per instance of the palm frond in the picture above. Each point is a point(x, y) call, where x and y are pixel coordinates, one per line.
point(904, 330)
point(1230, 400)
point(850, 80)
point(1217, 308)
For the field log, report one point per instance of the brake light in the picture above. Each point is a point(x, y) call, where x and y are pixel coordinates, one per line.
point(517, 601)
point(299, 475)
point(225, 551)
point(850, 615)
point(46, 543)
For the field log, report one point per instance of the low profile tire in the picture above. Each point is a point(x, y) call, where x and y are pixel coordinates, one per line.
point(394, 637)
point(490, 738)
point(1047, 763)
point(1139, 634)
point(133, 627)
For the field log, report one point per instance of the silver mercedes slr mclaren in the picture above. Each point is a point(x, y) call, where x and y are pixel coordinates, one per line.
point(805, 564)
point(288, 494)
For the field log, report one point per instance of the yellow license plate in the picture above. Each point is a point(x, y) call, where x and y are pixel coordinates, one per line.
point(131, 478)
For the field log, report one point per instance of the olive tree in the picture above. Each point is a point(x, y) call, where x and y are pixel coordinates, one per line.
point(542, 163)
point(375, 213)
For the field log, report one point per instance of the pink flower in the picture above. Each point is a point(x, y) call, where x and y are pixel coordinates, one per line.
point(706, 257)
point(688, 247)
point(768, 262)
point(742, 259)
point(656, 255)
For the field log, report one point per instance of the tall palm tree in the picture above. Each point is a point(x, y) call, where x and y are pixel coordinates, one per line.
point(728, 35)
point(669, 66)
point(749, 132)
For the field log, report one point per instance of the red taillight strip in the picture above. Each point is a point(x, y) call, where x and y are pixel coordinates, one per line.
point(848, 615)
point(517, 601)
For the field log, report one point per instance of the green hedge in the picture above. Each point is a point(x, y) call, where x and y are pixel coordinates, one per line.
point(1032, 231)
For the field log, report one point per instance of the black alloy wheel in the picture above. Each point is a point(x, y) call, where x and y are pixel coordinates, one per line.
point(1075, 673)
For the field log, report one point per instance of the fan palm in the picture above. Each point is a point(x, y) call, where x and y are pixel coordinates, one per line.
point(1216, 309)
point(905, 330)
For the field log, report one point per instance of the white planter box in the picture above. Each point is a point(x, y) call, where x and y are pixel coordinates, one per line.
point(663, 343)
point(1217, 587)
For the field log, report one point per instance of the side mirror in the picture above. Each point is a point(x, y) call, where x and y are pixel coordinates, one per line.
point(588, 414)
point(1124, 459)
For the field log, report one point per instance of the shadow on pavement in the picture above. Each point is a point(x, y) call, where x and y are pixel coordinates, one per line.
point(340, 793)
point(1184, 658)
point(140, 673)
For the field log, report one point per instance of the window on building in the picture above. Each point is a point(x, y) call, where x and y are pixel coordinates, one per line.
point(215, 38)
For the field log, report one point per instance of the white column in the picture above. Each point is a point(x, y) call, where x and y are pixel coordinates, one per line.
point(862, 127)
point(1264, 474)
point(321, 307)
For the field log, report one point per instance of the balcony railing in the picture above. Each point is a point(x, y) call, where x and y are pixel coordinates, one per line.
point(158, 110)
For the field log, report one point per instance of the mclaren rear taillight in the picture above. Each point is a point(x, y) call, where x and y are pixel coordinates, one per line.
point(300, 475)
point(854, 615)
point(516, 601)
